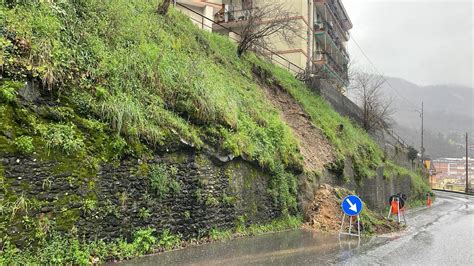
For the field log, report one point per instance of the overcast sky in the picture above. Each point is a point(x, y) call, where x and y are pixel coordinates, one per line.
point(423, 41)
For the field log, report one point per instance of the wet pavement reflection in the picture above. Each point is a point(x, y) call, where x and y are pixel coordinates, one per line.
point(283, 248)
point(438, 235)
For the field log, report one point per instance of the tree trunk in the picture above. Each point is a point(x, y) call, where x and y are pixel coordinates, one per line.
point(163, 7)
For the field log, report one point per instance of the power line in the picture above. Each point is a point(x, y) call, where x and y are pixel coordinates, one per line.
point(381, 74)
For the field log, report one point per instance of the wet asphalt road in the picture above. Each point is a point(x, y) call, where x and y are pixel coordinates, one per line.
point(440, 235)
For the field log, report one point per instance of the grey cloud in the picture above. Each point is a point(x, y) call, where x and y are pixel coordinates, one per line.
point(426, 42)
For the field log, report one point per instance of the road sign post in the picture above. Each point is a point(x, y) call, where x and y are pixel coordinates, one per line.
point(351, 206)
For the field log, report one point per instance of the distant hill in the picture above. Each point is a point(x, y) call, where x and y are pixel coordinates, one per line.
point(448, 108)
point(448, 112)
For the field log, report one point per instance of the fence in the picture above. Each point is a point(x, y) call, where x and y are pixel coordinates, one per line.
point(398, 138)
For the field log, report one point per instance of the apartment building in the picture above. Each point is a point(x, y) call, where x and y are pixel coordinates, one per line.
point(321, 49)
point(452, 171)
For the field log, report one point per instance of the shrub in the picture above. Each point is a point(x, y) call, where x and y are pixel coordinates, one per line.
point(143, 240)
point(7, 94)
point(211, 201)
point(144, 213)
point(161, 182)
point(168, 240)
point(89, 206)
point(24, 144)
point(63, 137)
point(8, 89)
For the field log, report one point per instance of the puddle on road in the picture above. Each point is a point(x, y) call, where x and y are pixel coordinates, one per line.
point(290, 247)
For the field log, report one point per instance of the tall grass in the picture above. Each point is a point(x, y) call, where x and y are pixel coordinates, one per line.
point(154, 78)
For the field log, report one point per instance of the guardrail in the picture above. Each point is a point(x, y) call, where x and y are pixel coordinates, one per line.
point(398, 138)
point(470, 193)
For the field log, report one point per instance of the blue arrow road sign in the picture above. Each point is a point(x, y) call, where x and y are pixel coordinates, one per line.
point(351, 205)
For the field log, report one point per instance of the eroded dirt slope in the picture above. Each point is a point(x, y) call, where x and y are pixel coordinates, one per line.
point(315, 147)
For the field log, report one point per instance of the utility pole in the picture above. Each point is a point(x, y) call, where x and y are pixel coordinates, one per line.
point(422, 150)
point(467, 165)
point(422, 132)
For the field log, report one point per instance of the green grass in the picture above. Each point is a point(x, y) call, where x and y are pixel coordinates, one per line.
point(162, 80)
point(70, 251)
point(285, 223)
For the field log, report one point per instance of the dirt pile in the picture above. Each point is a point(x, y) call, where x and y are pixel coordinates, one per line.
point(325, 214)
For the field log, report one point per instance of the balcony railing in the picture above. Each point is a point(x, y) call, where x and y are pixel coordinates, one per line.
point(233, 15)
point(334, 10)
point(337, 21)
point(340, 70)
point(334, 39)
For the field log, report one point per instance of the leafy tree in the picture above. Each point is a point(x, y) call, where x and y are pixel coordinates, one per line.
point(412, 154)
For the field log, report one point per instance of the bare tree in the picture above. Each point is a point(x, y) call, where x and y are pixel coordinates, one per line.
point(269, 19)
point(377, 109)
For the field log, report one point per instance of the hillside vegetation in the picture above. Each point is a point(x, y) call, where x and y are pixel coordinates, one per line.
point(123, 81)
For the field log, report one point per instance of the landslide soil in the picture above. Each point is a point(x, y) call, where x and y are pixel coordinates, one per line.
point(325, 214)
point(314, 146)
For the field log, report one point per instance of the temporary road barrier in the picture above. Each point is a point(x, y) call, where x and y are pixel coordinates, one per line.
point(397, 207)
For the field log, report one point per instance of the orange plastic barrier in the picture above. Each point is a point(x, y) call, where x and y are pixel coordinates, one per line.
point(394, 207)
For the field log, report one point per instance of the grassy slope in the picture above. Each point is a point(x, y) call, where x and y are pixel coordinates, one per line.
point(160, 79)
point(155, 80)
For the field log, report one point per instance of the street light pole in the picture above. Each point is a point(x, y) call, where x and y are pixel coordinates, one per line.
point(467, 165)
point(422, 150)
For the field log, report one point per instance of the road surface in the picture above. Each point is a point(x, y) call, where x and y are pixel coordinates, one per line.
point(440, 235)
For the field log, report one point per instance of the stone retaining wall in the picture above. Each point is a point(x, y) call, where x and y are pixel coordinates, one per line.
point(374, 191)
point(118, 199)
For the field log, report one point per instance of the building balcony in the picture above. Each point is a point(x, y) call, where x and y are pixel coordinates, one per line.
point(232, 15)
point(337, 11)
point(326, 62)
point(329, 28)
point(331, 43)
point(328, 20)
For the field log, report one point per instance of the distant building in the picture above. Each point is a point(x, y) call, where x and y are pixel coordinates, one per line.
point(451, 173)
point(325, 23)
